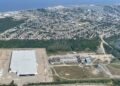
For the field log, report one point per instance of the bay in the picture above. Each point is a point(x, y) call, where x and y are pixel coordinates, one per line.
point(15, 5)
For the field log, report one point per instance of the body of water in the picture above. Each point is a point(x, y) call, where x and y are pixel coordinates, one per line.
point(14, 5)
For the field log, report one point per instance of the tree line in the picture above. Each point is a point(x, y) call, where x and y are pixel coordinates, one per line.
point(53, 45)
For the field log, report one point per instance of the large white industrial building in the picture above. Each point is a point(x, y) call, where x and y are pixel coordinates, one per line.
point(23, 62)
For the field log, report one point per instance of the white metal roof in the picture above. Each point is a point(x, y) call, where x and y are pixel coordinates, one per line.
point(23, 62)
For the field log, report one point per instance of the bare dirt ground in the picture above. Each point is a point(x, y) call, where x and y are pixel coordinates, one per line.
point(80, 85)
point(114, 69)
point(43, 68)
point(76, 72)
point(87, 85)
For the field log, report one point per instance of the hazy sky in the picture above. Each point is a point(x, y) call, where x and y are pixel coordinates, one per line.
point(8, 5)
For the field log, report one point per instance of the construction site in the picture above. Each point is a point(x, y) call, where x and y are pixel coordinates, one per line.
point(24, 66)
point(32, 65)
point(83, 66)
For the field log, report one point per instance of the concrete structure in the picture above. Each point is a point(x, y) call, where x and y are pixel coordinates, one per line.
point(1, 72)
point(88, 61)
point(63, 59)
point(23, 62)
point(68, 60)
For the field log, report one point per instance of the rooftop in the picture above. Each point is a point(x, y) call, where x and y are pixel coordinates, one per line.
point(23, 62)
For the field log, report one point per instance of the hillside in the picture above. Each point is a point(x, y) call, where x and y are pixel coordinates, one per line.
point(85, 21)
point(75, 28)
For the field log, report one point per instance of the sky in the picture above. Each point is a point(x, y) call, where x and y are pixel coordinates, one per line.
point(10, 5)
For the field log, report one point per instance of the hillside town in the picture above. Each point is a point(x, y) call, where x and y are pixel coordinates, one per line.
point(85, 21)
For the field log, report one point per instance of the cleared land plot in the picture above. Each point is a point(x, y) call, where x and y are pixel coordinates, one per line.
point(114, 68)
point(76, 85)
point(43, 67)
point(76, 72)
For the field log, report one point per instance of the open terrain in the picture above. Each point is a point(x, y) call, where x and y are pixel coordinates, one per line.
point(77, 85)
point(76, 72)
point(43, 68)
point(85, 28)
point(114, 69)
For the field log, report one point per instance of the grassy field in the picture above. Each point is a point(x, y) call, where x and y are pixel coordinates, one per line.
point(76, 72)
